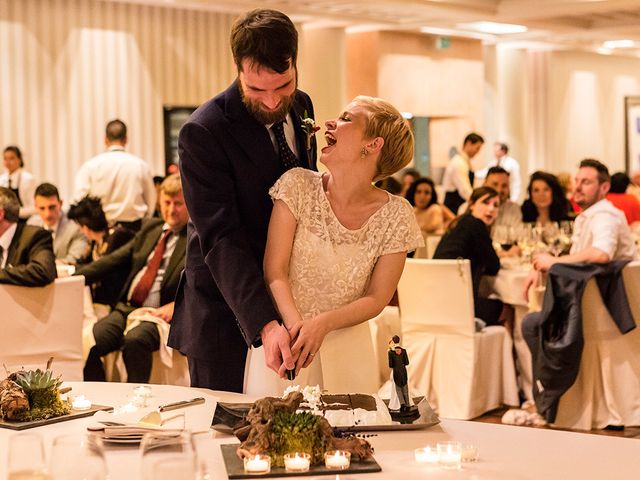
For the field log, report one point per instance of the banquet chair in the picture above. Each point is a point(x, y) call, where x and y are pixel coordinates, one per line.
point(431, 242)
point(383, 327)
point(463, 373)
point(607, 389)
point(43, 322)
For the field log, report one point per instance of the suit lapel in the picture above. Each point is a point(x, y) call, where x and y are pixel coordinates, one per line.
point(148, 244)
point(13, 254)
point(177, 255)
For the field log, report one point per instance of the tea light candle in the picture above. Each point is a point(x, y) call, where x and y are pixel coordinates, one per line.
point(337, 460)
point(257, 464)
point(81, 403)
point(142, 391)
point(426, 455)
point(449, 455)
point(469, 453)
point(297, 462)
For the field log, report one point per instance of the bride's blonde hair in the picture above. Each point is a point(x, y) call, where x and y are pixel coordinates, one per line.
point(384, 120)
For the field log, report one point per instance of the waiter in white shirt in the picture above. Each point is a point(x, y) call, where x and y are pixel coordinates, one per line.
point(18, 180)
point(122, 181)
point(458, 177)
point(510, 164)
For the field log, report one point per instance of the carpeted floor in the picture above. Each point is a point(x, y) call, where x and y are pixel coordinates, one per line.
point(629, 432)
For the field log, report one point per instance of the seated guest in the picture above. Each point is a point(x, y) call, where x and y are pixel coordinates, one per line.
point(601, 233)
point(547, 202)
point(69, 243)
point(622, 200)
point(468, 237)
point(432, 217)
point(153, 259)
point(565, 180)
point(88, 214)
point(26, 252)
point(407, 176)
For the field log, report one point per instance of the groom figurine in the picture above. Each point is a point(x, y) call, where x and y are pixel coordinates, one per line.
point(232, 150)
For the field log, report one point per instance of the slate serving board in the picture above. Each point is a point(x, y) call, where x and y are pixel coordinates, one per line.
point(235, 467)
point(227, 415)
point(39, 423)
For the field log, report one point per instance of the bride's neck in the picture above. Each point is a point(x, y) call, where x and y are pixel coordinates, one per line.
point(347, 189)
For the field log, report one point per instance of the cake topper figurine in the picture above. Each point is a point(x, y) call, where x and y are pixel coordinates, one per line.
point(398, 361)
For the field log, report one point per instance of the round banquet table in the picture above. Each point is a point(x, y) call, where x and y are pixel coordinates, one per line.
point(506, 452)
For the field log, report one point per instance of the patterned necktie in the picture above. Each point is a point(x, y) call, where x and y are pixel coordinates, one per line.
point(142, 289)
point(287, 157)
point(10, 188)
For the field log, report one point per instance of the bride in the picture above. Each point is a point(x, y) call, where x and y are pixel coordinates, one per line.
point(336, 249)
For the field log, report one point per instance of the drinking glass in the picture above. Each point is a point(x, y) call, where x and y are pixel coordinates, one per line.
point(165, 453)
point(77, 457)
point(26, 460)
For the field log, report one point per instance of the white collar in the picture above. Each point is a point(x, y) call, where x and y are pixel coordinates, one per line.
point(284, 121)
point(603, 204)
point(7, 238)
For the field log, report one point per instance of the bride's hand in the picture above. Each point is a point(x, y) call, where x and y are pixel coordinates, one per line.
point(293, 330)
point(310, 338)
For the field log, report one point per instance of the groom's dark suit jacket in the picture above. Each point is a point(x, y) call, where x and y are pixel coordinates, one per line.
point(228, 164)
point(30, 259)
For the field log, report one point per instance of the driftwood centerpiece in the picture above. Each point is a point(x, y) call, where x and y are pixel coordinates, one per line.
point(273, 427)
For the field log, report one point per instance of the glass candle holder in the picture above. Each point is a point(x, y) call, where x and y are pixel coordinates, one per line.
point(427, 454)
point(449, 455)
point(297, 462)
point(80, 402)
point(337, 459)
point(257, 464)
point(469, 453)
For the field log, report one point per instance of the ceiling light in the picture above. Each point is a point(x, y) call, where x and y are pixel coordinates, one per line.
point(494, 28)
point(619, 44)
point(603, 51)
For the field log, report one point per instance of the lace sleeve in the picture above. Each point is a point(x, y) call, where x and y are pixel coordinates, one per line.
point(403, 234)
point(288, 188)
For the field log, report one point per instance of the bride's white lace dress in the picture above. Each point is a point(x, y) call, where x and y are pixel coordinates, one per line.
point(330, 267)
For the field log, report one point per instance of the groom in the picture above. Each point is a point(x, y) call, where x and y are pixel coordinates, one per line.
point(232, 150)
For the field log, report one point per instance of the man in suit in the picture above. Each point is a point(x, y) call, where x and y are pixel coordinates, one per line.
point(154, 259)
point(69, 243)
point(232, 150)
point(26, 252)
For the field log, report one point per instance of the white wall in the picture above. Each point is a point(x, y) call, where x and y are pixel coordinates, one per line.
point(69, 66)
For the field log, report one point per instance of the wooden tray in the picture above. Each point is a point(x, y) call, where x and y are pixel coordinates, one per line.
point(39, 423)
point(227, 415)
point(235, 467)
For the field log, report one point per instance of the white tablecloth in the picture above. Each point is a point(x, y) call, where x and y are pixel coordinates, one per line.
point(506, 452)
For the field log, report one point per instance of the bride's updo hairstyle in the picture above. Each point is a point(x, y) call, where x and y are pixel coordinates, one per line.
point(384, 120)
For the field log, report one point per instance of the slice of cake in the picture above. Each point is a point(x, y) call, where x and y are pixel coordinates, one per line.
point(344, 410)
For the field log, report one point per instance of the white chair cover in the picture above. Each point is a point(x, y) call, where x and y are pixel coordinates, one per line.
point(383, 328)
point(43, 322)
point(607, 390)
point(462, 373)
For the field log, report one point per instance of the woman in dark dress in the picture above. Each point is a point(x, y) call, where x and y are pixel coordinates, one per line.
point(468, 237)
point(547, 202)
point(89, 215)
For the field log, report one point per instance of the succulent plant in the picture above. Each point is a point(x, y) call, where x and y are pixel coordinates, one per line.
point(298, 432)
point(34, 380)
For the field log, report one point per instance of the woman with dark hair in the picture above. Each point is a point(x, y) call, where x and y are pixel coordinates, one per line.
point(430, 215)
point(89, 215)
point(547, 202)
point(18, 180)
point(468, 237)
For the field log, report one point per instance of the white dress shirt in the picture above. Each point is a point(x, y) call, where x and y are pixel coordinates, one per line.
point(153, 299)
point(122, 181)
point(5, 243)
point(512, 166)
point(605, 227)
point(456, 176)
point(26, 184)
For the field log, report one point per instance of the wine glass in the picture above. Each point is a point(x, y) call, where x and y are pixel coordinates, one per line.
point(503, 235)
point(77, 457)
point(168, 455)
point(26, 460)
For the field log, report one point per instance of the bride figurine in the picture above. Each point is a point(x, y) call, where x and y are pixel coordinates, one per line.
point(335, 251)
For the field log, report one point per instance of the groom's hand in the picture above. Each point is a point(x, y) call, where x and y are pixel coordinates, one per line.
point(277, 353)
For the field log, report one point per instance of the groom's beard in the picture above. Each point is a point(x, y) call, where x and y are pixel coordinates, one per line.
point(267, 117)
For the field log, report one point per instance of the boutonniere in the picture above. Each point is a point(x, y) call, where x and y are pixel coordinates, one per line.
point(310, 128)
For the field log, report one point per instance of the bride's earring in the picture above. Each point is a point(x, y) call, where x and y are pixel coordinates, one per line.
point(363, 152)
